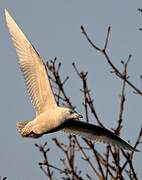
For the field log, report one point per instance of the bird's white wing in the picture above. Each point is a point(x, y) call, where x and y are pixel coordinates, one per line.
point(95, 133)
point(33, 68)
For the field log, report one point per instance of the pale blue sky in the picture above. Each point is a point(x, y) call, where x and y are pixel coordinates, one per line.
point(54, 29)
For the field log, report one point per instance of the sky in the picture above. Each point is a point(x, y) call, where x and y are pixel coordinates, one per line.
point(54, 29)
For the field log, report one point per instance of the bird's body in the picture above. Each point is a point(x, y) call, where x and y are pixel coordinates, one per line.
point(49, 116)
point(43, 123)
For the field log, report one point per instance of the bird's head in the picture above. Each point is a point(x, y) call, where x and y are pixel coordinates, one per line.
point(71, 114)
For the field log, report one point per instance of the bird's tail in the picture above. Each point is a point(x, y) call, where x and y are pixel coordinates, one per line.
point(27, 131)
point(20, 126)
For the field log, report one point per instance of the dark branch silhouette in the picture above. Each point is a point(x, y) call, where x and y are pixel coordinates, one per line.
point(108, 164)
point(103, 165)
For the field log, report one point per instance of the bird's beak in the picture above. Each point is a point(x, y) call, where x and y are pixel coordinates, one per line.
point(78, 116)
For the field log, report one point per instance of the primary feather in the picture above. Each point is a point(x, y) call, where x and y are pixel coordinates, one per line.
point(96, 133)
point(33, 68)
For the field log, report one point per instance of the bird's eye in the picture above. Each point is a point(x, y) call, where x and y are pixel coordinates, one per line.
point(71, 111)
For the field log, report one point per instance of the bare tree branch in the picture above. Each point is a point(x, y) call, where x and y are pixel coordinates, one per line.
point(114, 68)
point(107, 165)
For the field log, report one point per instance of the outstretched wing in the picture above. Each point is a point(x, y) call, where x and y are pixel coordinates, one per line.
point(96, 133)
point(33, 68)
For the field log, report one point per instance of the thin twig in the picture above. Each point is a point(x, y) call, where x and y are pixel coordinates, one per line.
point(87, 96)
point(115, 69)
point(43, 149)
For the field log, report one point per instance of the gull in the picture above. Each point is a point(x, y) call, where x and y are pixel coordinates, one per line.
point(49, 116)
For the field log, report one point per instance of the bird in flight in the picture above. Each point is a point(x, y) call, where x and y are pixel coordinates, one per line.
point(49, 116)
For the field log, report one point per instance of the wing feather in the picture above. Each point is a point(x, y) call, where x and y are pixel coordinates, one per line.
point(33, 68)
point(96, 133)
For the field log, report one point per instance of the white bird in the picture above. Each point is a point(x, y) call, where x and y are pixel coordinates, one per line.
point(49, 116)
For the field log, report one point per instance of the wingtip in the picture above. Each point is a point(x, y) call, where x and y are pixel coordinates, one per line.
point(131, 148)
point(6, 13)
point(8, 17)
point(136, 150)
point(5, 10)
